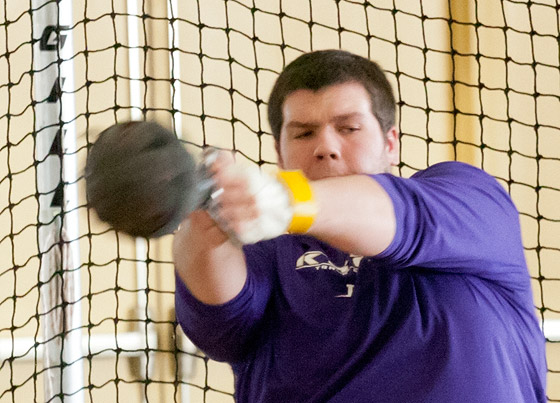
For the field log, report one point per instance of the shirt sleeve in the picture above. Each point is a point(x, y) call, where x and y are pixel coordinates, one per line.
point(224, 331)
point(456, 218)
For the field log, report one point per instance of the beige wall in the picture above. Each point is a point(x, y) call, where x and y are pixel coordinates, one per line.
point(471, 82)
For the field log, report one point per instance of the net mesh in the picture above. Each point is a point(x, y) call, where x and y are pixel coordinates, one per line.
point(476, 81)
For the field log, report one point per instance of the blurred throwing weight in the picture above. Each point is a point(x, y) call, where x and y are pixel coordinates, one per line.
point(142, 181)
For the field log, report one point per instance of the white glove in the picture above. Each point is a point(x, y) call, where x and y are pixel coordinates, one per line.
point(282, 203)
point(273, 202)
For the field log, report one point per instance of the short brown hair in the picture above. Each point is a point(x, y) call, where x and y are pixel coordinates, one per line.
point(320, 69)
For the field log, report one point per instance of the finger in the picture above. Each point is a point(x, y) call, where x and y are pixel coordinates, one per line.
point(221, 162)
point(235, 218)
point(235, 204)
point(200, 225)
point(231, 186)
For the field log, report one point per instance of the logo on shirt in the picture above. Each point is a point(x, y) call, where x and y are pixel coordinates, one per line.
point(319, 261)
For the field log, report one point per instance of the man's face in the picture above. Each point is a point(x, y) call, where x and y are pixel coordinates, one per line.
point(333, 132)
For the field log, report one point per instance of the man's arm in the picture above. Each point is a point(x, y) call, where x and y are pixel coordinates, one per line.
point(210, 265)
point(355, 215)
point(452, 212)
point(217, 304)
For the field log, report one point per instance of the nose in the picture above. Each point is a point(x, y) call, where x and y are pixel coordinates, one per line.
point(327, 145)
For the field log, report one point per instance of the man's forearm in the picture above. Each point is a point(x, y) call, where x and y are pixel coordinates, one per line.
point(355, 215)
point(211, 266)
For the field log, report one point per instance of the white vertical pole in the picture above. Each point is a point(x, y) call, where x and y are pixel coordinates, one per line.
point(134, 62)
point(60, 316)
point(72, 375)
point(47, 111)
point(175, 66)
point(185, 361)
point(135, 91)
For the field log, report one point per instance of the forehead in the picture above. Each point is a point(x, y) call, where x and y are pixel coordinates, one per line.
point(346, 99)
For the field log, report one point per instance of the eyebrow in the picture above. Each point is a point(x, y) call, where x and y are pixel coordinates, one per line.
point(346, 116)
point(338, 118)
point(294, 124)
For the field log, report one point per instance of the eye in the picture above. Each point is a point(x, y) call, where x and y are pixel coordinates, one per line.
point(302, 135)
point(349, 129)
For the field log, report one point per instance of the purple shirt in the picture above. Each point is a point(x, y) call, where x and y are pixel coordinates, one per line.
point(444, 314)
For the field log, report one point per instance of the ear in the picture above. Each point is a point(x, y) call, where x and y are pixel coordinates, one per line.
point(392, 146)
point(279, 155)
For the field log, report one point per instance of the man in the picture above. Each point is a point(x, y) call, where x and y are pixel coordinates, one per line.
point(401, 290)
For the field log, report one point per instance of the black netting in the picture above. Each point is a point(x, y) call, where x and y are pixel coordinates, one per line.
point(476, 81)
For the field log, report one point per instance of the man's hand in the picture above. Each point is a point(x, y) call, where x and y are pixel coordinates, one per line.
point(209, 263)
point(246, 207)
point(248, 204)
point(233, 206)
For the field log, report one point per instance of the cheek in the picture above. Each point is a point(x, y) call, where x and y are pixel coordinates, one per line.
point(368, 156)
point(365, 162)
point(293, 157)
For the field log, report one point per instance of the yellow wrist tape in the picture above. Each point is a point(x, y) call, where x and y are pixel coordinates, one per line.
point(303, 202)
